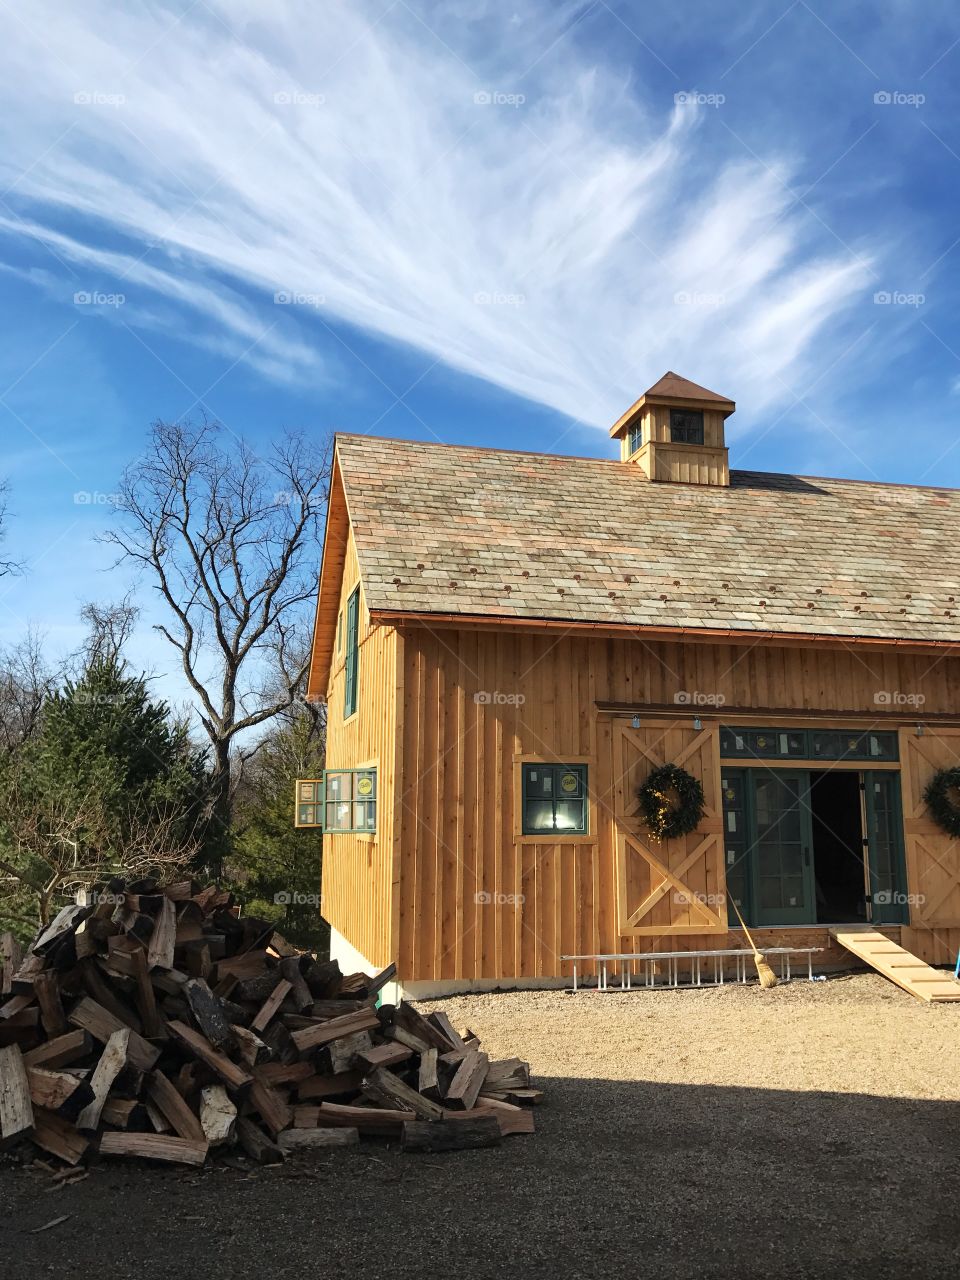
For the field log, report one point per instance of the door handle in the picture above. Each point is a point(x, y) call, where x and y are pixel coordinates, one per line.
point(806, 856)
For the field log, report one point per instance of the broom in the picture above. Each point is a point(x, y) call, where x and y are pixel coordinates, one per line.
point(766, 975)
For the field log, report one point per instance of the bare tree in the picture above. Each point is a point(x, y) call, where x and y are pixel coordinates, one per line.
point(6, 566)
point(109, 628)
point(25, 683)
point(230, 541)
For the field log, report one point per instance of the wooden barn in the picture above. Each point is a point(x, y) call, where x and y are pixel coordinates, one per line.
point(510, 643)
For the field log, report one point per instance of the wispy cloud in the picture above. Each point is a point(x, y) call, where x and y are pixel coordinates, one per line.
point(467, 182)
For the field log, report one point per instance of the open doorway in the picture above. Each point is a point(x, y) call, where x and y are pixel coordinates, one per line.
point(838, 848)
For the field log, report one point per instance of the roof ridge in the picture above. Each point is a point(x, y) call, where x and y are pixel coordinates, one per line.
point(616, 462)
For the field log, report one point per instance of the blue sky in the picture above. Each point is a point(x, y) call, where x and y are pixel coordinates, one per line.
point(487, 223)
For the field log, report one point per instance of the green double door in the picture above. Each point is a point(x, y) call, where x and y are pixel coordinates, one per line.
point(770, 852)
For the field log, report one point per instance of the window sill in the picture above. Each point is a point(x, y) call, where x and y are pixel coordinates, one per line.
point(547, 838)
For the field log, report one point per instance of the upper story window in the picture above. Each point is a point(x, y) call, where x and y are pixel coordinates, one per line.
point(686, 426)
point(350, 663)
point(634, 439)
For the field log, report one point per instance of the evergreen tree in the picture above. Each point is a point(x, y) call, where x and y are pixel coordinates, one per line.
point(109, 784)
point(275, 868)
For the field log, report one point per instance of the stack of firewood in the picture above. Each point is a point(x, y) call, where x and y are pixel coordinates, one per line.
point(159, 1022)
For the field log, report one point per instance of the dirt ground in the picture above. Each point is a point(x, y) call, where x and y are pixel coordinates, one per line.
point(811, 1131)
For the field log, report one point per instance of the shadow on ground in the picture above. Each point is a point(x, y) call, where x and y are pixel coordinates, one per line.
point(623, 1178)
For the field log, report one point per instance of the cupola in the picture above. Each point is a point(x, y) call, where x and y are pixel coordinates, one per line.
point(675, 433)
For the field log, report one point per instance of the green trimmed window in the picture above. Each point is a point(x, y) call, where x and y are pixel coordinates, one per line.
point(350, 664)
point(554, 798)
point(634, 439)
point(342, 800)
point(686, 426)
point(808, 744)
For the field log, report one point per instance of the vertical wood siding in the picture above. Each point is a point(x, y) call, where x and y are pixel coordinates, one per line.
point(358, 870)
point(474, 899)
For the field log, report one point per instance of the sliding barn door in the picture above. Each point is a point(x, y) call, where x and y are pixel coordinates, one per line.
point(675, 886)
point(933, 857)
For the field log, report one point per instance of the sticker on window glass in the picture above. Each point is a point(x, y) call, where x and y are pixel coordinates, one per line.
point(569, 782)
point(731, 820)
point(364, 786)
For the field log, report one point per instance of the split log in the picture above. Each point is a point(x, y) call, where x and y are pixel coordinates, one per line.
point(414, 1022)
point(163, 937)
point(316, 1139)
point(340, 1056)
point(301, 993)
point(271, 1105)
point(233, 1076)
point(471, 1132)
point(46, 988)
point(11, 957)
point(326, 1032)
point(153, 1146)
point(374, 1120)
point(385, 1055)
point(256, 1143)
point(59, 1091)
point(340, 1084)
point(53, 1134)
point(16, 1108)
point(465, 1086)
point(446, 1029)
point(253, 1051)
point(102, 1024)
point(388, 1090)
point(280, 1073)
point(123, 1113)
point(270, 1006)
point(427, 1082)
point(61, 1051)
point(173, 1107)
point(210, 1015)
point(218, 1115)
point(153, 1024)
point(112, 1061)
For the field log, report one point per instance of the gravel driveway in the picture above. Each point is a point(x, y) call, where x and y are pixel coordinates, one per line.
point(809, 1131)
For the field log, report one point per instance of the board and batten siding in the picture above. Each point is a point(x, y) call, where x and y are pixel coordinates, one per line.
point(358, 869)
point(475, 899)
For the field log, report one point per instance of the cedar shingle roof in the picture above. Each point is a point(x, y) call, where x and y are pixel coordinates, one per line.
point(451, 529)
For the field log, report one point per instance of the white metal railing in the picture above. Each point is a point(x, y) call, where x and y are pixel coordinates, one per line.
point(740, 956)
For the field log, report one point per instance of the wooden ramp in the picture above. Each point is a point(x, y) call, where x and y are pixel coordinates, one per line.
point(896, 964)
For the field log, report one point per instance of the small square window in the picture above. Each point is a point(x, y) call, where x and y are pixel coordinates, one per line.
point(686, 426)
point(554, 798)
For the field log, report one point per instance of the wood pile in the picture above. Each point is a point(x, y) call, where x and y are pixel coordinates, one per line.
point(158, 1022)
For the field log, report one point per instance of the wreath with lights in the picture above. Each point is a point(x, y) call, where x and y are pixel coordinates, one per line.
point(942, 796)
point(671, 802)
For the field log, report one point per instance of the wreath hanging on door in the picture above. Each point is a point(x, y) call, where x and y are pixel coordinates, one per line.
point(671, 802)
point(942, 797)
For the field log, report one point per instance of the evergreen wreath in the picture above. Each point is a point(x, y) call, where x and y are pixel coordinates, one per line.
point(942, 796)
point(671, 802)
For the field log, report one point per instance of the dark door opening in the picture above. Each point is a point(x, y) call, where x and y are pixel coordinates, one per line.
point(838, 848)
